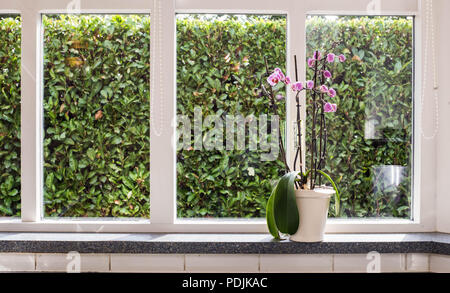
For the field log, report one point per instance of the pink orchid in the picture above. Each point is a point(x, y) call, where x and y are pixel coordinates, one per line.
point(342, 58)
point(330, 57)
point(317, 55)
point(287, 80)
point(328, 107)
point(311, 62)
point(273, 79)
point(279, 97)
point(331, 93)
point(297, 86)
point(327, 74)
point(324, 88)
point(281, 75)
point(309, 84)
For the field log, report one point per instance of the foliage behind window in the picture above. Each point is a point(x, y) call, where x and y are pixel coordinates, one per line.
point(96, 109)
point(96, 105)
point(10, 116)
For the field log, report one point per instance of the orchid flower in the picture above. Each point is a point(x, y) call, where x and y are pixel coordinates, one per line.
point(287, 80)
point(326, 74)
point(342, 58)
point(309, 84)
point(273, 79)
point(297, 86)
point(330, 57)
point(311, 62)
point(324, 88)
point(329, 108)
point(331, 93)
point(317, 55)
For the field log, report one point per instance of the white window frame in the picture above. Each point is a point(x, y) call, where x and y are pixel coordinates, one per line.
point(163, 96)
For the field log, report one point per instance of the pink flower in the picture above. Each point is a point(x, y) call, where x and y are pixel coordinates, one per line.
point(317, 55)
point(297, 86)
point(287, 80)
point(281, 75)
point(273, 79)
point(330, 57)
point(279, 97)
point(327, 74)
point(323, 89)
point(309, 84)
point(328, 108)
point(341, 58)
point(311, 62)
point(331, 93)
point(277, 76)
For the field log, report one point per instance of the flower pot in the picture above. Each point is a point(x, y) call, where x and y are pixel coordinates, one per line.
point(313, 210)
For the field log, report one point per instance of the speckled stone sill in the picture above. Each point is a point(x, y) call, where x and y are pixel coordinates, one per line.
point(222, 243)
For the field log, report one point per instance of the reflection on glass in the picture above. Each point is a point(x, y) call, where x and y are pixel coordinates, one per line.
point(96, 109)
point(220, 65)
point(370, 137)
point(10, 35)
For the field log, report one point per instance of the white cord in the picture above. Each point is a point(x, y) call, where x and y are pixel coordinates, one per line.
point(429, 33)
point(157, 39)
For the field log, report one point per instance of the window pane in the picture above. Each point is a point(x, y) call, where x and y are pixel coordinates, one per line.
point(96, 109)
point(220, 65)
point(10, 36)
point(369, 149)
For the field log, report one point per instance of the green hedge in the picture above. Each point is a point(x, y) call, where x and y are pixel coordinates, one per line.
point(10, 116)
point(374, 84)
point(219, 66)
point(96, 107)
point(96, 163)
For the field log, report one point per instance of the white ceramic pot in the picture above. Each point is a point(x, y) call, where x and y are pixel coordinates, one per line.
point(313, 210)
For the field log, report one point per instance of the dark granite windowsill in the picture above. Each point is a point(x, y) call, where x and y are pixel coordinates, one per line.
point(222, 243)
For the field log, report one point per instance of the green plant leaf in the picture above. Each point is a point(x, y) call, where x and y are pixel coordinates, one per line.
point(285, 206)
point(337, 199)
point(270, 218)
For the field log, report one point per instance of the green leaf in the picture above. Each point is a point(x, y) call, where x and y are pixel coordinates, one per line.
point(270, 218)
point(285, 205)
point(337, 200)
point(91, 154)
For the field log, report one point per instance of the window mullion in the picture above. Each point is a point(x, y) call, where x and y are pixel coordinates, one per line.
point(295, 46)
point(162, 113)
point(31, 117)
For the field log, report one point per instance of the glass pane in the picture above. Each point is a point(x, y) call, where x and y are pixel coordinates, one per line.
point(10, 35)
point(96, 109)
point(369, 150)
point(220, 65)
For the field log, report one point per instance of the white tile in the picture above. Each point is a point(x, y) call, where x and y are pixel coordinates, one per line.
point(226, 263)
point(417, 262)
point(17, 262)
point(161, 263)
point(373, 262)
point(440, 263)
point(293, 263)
point(72, 262)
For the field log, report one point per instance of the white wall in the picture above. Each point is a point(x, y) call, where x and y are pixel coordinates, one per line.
point(224, 263)
point(442, 14)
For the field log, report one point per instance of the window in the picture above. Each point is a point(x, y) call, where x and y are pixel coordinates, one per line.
point(96, 114)
point(101, 107)
point(10, 29)
point(375, 96)
point(220, 66)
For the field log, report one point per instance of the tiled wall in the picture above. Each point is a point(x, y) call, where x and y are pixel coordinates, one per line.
point(251, 263)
